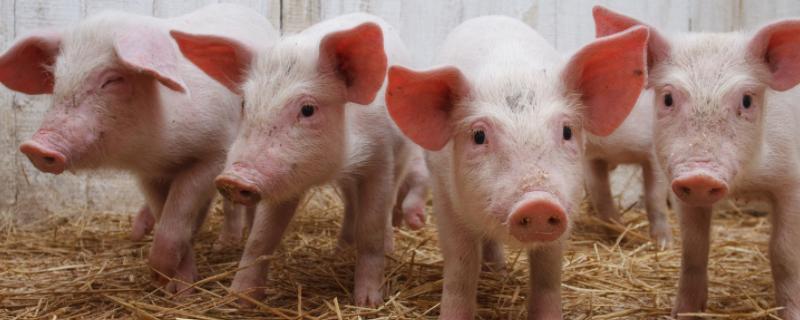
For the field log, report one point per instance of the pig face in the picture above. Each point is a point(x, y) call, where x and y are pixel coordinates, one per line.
point(516, 136)
point(296, 99)
point(98, 76)
point(710, 100)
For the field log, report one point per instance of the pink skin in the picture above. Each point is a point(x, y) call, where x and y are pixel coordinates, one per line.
point(121, 100)
point(520, 182)
point(307, 127)
point(725, 124)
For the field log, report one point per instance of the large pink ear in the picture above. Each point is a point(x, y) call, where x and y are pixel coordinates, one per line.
point(26, 66)
point(609, 74)
point(420, 103)
point(778, 45)
point(607, 22)
point(223, 59)
point(150, 51)
point(358, 58)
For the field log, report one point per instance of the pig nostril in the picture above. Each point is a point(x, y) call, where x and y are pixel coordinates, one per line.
point(715, 191)
point(49, 160)
point(245, 194)
point(525, 221)
point(553, 221)
point(686, 190)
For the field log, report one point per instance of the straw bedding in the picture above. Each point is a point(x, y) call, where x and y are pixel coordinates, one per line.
point(66, 267)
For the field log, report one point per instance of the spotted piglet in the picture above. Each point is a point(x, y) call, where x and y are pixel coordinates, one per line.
point(504, 124)
point(124, 98)
point(726, 122)
point(312, 119)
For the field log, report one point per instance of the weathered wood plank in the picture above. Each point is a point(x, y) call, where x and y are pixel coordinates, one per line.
point(170, 8)
point(298, 15)
point(8, 172)
point(269, 8)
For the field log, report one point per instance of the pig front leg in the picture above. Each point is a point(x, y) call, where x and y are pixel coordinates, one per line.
point(544, 297)
point(461, 251)
point(267, 230)
point(600, 190)
point(656, 191)
point(693, 283)
point(233, 226)
point(143, 224)
point(185, 209)
point(784, 254)
point(375, 201)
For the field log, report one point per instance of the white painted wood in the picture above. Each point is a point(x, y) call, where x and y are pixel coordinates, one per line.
point(423, 25)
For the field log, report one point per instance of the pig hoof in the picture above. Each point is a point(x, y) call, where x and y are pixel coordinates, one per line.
point(247, 297)
point(142, 224)
point(225, 243)
point(370, 299)
point(415, 218)
point(662, 239)
point(687, 307)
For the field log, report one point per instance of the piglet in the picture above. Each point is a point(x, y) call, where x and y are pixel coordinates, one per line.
point(504, 125)
point(631, 143)
point(726, 123)
point(124, 98)
point(312, 119)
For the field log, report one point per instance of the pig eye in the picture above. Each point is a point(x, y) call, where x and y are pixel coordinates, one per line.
point(479, 137)
point(668, 100)
point(112, 81)
point(307, 110)
point(747, 101)
point(567, 133)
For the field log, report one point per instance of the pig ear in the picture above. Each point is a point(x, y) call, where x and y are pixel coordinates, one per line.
point(225, 60)
point(26, 66)
point(607, 22)
point(151, 52)
point(608, 74)
point(357, 57)
point(420, 103)
point(778, 45)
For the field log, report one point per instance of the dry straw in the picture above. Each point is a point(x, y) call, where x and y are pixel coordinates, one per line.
point(84, 267)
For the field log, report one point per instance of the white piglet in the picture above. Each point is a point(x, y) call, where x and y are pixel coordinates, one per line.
point(504, 123)
point(312, 119)
point(726, 122)
point(631, 143)
point(124, 98)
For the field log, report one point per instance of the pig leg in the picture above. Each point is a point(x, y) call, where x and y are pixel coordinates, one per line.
point(544, 298)
point(461, 251)
point(600, 190)
point(266, 232)
point(784, 255)
point(693, 283)
point(233, 226)
point(184, 212)
point(493, 256)
point(656, 192)
point(413, 199)
point(143, 223)
point(347, 233)
point(376, 192)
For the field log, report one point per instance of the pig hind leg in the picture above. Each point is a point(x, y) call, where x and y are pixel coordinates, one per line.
point(493, 255)
point(347, 232)
point(600, 190)
point(375, 200)
point(656, 192)
point(784, 255)
point(143, 223)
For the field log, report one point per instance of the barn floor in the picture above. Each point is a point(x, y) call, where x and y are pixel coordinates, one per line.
point(85, 267)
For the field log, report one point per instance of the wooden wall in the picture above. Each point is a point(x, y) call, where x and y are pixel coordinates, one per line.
point(423, 24)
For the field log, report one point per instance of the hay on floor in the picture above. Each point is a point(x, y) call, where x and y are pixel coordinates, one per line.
point(85, 267)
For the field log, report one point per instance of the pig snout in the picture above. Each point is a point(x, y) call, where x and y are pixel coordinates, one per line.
point(44, 158)
point(537, 218)
point(699, 188)
point(238, 189)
